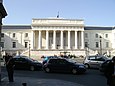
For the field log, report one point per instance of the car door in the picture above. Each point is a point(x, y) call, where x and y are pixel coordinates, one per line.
point(92, 62)
point(21, 63)
point(63, 65)
point(24, 63)
point(99, 60)
point(17, 63)
point(52, 64)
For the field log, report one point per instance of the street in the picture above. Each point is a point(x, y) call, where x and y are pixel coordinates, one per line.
point(92, 77)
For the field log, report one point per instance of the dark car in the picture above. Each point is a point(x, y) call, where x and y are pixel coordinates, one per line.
point(104, 65)
point(63, 65)
point(26, 63)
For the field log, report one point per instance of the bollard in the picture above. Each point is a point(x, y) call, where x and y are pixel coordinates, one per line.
point(24, 84)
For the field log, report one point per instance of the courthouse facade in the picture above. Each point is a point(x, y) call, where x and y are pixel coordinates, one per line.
point(54, 35)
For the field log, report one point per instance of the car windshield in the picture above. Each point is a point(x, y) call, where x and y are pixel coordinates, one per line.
point(104, 57)
point(32, 59)
point(71, 60)
point(48, 57)
point(26, 57)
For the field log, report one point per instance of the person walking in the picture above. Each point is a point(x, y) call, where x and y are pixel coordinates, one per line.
point(9, 62)
point(110, 72)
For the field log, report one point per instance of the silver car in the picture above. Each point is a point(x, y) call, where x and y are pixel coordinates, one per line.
point(94, 61)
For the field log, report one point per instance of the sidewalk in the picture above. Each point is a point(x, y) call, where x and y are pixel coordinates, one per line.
point(37, 82)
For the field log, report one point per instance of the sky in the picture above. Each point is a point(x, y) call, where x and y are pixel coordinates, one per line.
point(93, 12)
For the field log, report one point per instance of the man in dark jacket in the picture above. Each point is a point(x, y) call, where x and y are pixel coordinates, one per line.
point(109, 72)
point(9, 61)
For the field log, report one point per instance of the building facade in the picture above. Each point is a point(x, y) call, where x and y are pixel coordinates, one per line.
point(3, 14)
point(54, 35)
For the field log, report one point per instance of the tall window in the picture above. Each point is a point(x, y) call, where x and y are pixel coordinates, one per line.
point(2, 44)
point(96, 35)
point(26, 44)
point(106, 35)
point(107, 44)
point(2, 35)
point(26, 34)
point(86, 35)
point(86, 44)
point(97, 44)
point(13, 44)
point(14, 35)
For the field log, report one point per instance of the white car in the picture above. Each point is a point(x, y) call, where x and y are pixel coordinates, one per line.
point(94, 61)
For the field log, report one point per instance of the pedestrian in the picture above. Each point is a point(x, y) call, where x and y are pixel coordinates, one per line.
point(110, 72)
point(9, 62)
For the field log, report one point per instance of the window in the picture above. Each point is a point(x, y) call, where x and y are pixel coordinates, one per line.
point(26, 34)
point(26, 44)
point(86, 44)
point(107, 44)
point(2, 44)
point(86, 35)
point(106, 35)
point(2, 35)
point(13, 44)
point(91, 58)
point(14, 35)
point(96, 35)
point(97, 44)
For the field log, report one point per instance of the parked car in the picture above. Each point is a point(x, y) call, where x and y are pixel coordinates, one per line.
point(46, 58)
point(94, 61)
point(24, 62)
point(63, 65)
point(104, 65)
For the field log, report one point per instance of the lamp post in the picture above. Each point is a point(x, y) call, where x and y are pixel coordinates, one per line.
point(100, 45)
point(29, 50)
point(87, 49)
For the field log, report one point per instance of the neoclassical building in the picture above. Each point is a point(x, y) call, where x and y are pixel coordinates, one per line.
point(54, 35)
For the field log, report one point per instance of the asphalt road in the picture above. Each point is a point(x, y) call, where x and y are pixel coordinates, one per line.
point(92, 77)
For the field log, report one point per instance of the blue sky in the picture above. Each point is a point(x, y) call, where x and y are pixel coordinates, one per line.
point(93, 12)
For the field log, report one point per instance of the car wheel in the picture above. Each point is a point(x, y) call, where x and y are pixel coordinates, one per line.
point(32, 68)
point(47, 70)
point(74, 71)
point(87, 66)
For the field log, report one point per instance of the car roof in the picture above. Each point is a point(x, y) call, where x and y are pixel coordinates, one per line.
point(20, 56)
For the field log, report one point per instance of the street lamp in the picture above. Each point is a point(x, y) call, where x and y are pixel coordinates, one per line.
point(100, 45)
point(29, 50)
point(87, 49)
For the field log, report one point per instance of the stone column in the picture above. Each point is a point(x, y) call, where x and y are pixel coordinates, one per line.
point(76, 40)
point(32, 41)
point(61, 37)
point(69, 41)
point(82, 40)
point(40, 41)
point(47, 39)
point(54, 39)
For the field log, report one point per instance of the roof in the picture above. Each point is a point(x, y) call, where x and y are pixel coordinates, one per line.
point(97, 28)
point(16, 27)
